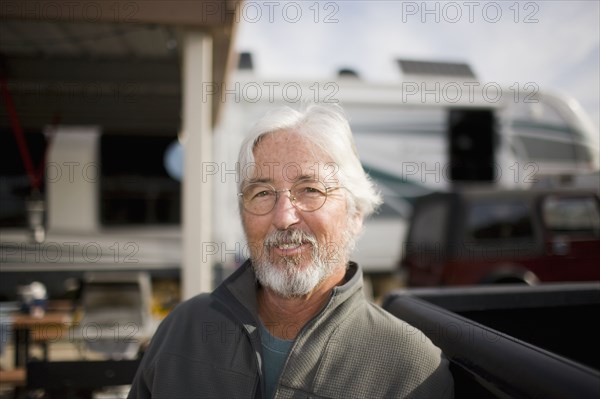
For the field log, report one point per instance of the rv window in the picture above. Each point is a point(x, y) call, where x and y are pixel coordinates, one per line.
point(542, 134)
point(537, 112)
point(135, 188)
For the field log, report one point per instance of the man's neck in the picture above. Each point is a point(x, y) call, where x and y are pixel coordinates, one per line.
point(285, 317)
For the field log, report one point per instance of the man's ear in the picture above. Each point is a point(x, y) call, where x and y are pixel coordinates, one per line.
point(356, 224)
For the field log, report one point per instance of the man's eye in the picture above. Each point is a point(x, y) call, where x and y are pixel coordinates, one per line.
point(310, 190)
point(260, 194)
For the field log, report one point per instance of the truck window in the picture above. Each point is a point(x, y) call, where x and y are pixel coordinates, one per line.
point(499, 221)
point(571, 215)
point(429, 225)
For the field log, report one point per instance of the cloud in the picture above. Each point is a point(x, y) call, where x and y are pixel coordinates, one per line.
point(552, 43)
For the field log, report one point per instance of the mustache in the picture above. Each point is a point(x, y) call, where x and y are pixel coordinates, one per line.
point(294, 236)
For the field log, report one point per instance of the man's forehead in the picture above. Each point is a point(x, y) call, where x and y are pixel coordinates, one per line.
point(289, 156)
point(291, 171)
point(286, 143)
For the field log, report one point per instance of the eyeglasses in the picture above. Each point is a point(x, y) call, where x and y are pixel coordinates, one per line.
point(308, 196)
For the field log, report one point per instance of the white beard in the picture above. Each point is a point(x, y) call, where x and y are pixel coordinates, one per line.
point(295, 279)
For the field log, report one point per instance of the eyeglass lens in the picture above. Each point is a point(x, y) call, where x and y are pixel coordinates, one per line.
point(260, 198)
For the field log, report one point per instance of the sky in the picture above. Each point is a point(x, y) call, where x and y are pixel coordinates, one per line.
point(552, 44)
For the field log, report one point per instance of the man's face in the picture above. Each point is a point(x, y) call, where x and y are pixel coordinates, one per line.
point(292, 250)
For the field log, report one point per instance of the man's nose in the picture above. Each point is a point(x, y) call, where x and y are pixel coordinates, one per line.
point(285, 213)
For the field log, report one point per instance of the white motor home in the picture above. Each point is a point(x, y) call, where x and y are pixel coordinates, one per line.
point(439, 127)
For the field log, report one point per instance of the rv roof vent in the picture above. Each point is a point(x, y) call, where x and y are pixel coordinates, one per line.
point(245, 62)
point(348, 73)
point(429, 68)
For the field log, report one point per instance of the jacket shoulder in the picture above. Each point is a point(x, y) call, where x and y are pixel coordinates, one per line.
point(394, 357)
point(197, 349)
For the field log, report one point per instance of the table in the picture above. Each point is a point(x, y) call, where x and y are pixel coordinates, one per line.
point(49, 327)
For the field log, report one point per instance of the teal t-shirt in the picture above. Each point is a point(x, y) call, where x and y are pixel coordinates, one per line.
point(275, 351)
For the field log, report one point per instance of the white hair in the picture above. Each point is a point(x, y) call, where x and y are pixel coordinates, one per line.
point(327, 127)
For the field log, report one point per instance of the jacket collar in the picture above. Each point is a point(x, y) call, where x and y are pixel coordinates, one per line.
point(242, 286)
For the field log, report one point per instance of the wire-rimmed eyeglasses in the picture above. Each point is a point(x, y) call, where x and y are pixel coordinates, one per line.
point(307, 196)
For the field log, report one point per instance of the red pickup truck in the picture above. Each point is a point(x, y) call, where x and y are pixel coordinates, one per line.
point(503, 236)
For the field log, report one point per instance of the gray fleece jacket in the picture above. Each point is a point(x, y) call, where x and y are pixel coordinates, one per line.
point(209, 347)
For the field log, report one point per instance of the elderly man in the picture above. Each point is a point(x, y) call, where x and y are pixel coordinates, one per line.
point(293, 322)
